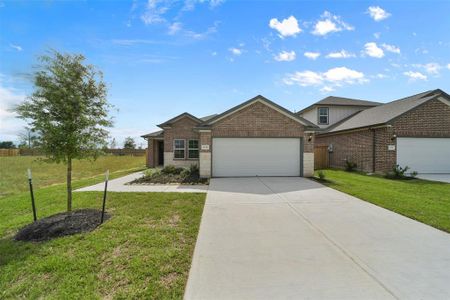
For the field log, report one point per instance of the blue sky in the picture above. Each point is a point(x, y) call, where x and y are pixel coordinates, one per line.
point(162, 58)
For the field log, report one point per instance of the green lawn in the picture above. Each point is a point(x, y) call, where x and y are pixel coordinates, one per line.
point(425, 201)
point(13, 170)
point(143, 252)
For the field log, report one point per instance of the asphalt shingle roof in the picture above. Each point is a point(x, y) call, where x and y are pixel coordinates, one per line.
point(384, 113)
point(332, 100)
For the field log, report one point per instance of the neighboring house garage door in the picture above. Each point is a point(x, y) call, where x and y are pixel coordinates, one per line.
point(424, 155)
point(256, 157)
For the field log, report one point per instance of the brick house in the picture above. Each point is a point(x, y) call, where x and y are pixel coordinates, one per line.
point(255, 138)
point(413, 131)
point(261, 138)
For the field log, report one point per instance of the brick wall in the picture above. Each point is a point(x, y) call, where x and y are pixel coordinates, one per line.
point(257, 120)
point(353, 146)
point(182, 129)
point(431, 119)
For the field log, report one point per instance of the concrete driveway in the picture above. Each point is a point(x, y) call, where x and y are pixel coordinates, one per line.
point(292, 238)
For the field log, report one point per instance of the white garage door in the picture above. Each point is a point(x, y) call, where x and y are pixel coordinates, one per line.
point(255, 157)
point(424, 155)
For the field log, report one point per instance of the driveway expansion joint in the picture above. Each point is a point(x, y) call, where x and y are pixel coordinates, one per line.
point(354, 258)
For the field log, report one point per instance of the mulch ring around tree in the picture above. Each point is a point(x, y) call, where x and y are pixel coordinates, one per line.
point(67, 223)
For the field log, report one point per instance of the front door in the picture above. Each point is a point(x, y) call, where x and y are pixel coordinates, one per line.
point(160, 153)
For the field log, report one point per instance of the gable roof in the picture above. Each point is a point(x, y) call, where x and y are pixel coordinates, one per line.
point(265, 101)
point(158, 133)
point(206, 118)
point(180, 116)
point(385, 113)
point(341, 101)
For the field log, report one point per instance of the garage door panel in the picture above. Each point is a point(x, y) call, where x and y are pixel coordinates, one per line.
point(424, 155)
point(256, 157)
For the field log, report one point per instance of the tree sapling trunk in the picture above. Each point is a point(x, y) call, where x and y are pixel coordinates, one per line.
point(69, 184)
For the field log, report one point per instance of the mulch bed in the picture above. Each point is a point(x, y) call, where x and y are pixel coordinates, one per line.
point(162, 178)
point(67, 223)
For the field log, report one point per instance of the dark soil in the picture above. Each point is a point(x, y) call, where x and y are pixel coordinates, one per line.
point(169, 178)
point(67, 223)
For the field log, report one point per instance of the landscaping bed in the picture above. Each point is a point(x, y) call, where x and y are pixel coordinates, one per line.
point(172, 175)
point(67, 223)
point(143, 252)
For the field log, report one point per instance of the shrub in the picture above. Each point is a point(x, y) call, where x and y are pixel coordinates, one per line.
point(185, 173)
point(400, 173)
point(170, 169)
point(193, 169)
point(321, 175)
point(350, 166)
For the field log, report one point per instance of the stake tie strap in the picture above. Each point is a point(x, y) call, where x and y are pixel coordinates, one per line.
point(29, 174)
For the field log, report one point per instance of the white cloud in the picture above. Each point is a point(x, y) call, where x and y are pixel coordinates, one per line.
point(154, 12)
point(285, 28)
point(391, 48)
point(16, 47)
point(381, 76)
point(305, 78)
point(343, 74)
point(377, 13)
point(327, 89)
point(330, 23)
point(415, 75)
point(332, 78)
point(174, 28)
point(432, 68)
point(311, 55)
point(377, 35)
point(235, 51)
point(201, 35)
point(9, 124)
point(340, 54)
point(285, 56)
point(373, 50)
point(448, 66)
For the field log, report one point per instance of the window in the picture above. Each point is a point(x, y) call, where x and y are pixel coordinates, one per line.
point(178, 149)
point(193, 149)
point(323, 115)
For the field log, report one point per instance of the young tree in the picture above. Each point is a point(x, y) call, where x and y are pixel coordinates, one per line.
point(129, 143)
point(68, 110)
point(28, 138)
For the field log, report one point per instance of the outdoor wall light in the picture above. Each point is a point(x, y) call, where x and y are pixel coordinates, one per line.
point(394, 136)
point(310, 137)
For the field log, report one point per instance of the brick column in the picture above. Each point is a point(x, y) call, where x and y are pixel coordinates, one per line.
point(150, 153)
point(205, 154)
point(308, 154)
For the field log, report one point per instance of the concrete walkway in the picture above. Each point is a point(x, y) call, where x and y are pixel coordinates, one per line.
point(292, 238)
point(120, 185)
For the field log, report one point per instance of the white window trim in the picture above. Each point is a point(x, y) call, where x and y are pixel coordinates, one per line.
point(198, 148)
point(184, 149)
point(327, 115)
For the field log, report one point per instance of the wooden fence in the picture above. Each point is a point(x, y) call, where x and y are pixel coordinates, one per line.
point(36, 152)
point(132, 152)
point(9, 152)
point(321, 157)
